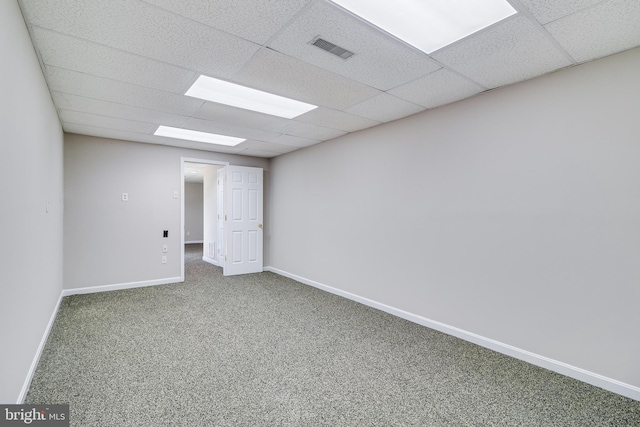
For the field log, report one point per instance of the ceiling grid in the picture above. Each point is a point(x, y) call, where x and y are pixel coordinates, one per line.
point(120, 68)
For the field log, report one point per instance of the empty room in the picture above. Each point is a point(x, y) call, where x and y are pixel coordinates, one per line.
point(320, 212)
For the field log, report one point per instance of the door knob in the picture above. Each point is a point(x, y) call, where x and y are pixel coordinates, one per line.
point(259, 225)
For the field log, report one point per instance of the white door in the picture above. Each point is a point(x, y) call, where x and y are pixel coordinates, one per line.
point(242, 220)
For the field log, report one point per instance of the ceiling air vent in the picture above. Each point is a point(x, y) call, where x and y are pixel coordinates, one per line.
point(331, 48)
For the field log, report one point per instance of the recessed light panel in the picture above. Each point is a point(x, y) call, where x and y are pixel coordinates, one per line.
point(215, 90)
point(194, 135)
point(430, 24)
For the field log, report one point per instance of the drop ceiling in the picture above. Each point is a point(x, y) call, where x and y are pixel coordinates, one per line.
point(120, 68)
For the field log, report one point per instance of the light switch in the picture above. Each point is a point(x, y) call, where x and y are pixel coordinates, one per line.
point(176, 194)
point(165, 249)
point(164, 259)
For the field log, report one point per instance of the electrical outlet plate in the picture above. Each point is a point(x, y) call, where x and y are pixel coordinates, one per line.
point(164, 259)
point(125, 197)
point(165, 249)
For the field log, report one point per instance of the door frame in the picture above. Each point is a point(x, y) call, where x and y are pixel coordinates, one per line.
point(184, 160)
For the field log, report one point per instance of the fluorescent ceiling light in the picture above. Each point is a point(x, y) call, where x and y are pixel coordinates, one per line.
point(194, 135)
point(215, 90)
point(430, 24)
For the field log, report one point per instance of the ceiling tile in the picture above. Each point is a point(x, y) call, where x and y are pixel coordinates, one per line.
point(267, 146)
point(255, 20)
point(240, 117)
point(199, 145)
point(334, 119)
point(141, 28)
point(384, 108)
point(88, 86)
point(224, 128)
point(280, 74)
point(110, 133)
point(295, 141)
point(75, 54)
point(306, 130)
point(258, 153)
point(513, 50)
point(379, 61)
point(150, 139)
point(66, 101)
point(438, 88)
point(610, 27)
point(95, 120)
point(549, 10)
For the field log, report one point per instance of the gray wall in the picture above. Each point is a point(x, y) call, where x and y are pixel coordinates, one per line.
point(110, 242)
point(193, 212)
point(31, 175)
point(512, 215)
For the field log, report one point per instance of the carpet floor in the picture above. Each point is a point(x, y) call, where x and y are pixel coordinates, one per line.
point(263, 350)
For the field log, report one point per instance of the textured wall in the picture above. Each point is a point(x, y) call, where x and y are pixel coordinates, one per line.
point(32, 207)
point(512, 215)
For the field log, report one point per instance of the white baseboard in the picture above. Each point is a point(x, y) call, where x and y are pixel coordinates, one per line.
point(36, 357)
point(193, 241)
point(588, 377)
point(116, 287)
point(210, 260)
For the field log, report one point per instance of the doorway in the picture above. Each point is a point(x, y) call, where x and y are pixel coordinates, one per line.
point(232, 215)
point(200, 173)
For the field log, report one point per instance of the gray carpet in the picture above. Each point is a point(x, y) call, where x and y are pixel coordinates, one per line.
point(263, 350)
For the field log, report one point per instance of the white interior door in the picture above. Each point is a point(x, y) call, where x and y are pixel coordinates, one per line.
point(242, 207)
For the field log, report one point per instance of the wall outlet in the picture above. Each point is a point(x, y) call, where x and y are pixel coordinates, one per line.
point(125, 197)
point(165, 249)
point(164, 259)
